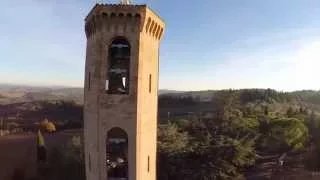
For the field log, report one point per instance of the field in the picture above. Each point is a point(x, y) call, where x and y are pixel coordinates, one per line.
point(19, 151)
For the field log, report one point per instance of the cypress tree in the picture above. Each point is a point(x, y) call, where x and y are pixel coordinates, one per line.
point(41, 148)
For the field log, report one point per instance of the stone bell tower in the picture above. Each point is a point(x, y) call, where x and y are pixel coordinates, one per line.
point(121, 91)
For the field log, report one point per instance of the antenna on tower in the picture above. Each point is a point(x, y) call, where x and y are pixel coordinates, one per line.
point(99, 1)
point(126, 2)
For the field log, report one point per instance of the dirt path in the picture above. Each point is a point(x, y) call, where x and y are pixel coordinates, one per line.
point(293, 169)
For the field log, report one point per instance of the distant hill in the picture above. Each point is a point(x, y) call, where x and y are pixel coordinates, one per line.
point(20, 93)
point(256, 99)
point(308, 96)
point(10, 94)
point(167, 91)
point(27, 99)
point(26, 88)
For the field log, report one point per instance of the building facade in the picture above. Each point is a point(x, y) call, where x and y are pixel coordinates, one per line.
point(121, 92)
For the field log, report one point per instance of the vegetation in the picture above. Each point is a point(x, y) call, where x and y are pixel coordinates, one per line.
point(48, 115)
point(64, 162)
point(199, 154)
point(213, 134)
point(222, 143)
point(48, 126)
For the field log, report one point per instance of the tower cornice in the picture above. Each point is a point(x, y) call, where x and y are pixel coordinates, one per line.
point(148, 19)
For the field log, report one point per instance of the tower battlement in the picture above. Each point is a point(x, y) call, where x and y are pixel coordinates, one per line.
point(127, 18)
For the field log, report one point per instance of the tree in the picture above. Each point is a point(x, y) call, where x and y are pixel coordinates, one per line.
point(301, 110)
point(65, 162)
point(41, 148)
point(312, 122)
point(288, 133)
point(290, 112)
point(170, 140)
point(266, 110)
point(47, 125)
point(171, 144)
point(50, 127)
point(200, 151)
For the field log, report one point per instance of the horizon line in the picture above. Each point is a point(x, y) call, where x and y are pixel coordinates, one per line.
point(164, 89)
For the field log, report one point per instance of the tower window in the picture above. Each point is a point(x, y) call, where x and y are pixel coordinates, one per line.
point(89, 162)
point(119, 66)
point(150, 83)
point(117, 154)
point(107, 85)
point(148, 163)
point(89, 81)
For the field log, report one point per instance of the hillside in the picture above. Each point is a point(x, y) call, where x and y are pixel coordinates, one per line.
point(14, 98)
point(10, 94)
point(257, 125)
point(257, 99)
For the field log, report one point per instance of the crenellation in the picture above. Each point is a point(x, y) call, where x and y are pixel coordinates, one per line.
point(154, 30)
point(151, 27)
point(137, 15)
point(137, 9)
point(160, 35)
point(105, 15)
point(113, 15)
point(116, 16)
point(157, 32)
point(148, 24)
point(98, 22)
point(113, 22)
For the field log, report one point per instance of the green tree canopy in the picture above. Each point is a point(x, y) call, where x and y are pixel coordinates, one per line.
point(289, 132)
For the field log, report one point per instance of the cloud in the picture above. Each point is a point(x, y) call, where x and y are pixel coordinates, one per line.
point(285, 60)
point(288, 67)
point(304, 66)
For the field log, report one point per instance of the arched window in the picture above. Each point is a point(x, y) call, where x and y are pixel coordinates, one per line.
point(117, 154)
point(119, 66)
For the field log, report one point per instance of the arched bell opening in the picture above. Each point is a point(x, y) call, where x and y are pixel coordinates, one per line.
point(117, 154)
point(119, 67)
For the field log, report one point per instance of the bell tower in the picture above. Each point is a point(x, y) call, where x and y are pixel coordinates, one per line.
point(121, 91)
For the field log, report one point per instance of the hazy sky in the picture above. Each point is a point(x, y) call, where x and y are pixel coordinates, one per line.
point(208, 44)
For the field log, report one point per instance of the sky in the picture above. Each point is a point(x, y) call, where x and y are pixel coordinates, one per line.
point(207, 44)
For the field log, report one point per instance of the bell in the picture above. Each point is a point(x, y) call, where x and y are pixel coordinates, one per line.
point(124, 82)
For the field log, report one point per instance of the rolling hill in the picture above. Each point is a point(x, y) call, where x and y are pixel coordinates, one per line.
point(17, 97)
point(10, 94)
